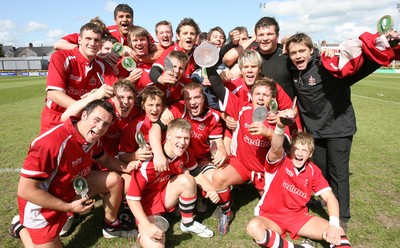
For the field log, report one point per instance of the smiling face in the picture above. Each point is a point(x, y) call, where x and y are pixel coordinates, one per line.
point(217, 39)
point(89, 44)
point(178, 141)
point(187, 37)
point(250, 72)
point(124, 21)
point(299, 54)
point(92, 126)
point(124, 101)
point(153, 107)
point(179, 68)
point(164, 35)
point(299, 154)
point(194, 101)
point(267, 39)
point(261, 96)
point(139, 44)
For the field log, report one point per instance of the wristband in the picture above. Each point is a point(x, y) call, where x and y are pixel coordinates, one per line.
point(279, 130)
point(334, 221)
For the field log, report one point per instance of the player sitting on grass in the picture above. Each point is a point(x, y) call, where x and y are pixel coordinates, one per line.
point(54, 161)
point(154, 192)
point(290, 179)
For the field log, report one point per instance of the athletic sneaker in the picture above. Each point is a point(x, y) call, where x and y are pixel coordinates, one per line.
point(308, 244)
point(15, 227)
point(198, 229)
point(120, 231)
point(70, 225)
point(201, 205)
point(224, 223)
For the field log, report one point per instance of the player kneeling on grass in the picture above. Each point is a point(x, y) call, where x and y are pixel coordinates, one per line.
point(47, 187)
point(154, 192)
point(290, 179)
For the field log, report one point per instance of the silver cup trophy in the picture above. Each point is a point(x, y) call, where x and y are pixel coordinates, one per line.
point(206, 55)
point(260, 114)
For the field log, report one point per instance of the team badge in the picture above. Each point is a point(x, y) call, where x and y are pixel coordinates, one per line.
point(311, 81)
point(202, 126)
point(93, 81)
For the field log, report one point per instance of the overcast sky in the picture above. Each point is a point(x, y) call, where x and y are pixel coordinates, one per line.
point(44, 22)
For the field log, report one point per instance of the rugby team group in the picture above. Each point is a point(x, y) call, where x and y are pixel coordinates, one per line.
point(137, 122)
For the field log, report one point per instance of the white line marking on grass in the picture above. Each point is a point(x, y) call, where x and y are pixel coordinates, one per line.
point(8, 170)
point(376, 99)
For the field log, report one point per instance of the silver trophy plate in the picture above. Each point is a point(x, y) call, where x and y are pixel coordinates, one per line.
point(260, 114)
point(206, 55)
point(168, 65)
point(161, 223)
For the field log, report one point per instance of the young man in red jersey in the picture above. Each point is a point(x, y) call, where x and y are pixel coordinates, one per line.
point(152, 105)
point(72, 74)
point(206, 136)
point(186, 35)
point(250, 141)
point(55, 159)
point(153, 193)
point(290, 181)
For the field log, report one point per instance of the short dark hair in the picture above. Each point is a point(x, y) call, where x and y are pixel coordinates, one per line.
point(267, 82)
point(151, 91)
point(218, 29)
point(91, 26)
point(123, 8)
point(299, 38)
point(125, 85)
point(180, 56)
point(267, 21)
point(104, 104)
point(188, 22)
point(110, 38)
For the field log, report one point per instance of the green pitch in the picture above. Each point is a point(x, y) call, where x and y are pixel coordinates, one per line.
point(375, 180)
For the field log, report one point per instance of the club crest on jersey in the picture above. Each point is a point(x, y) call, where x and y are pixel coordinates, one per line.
point(93, 81)
point(306, 182)
point(311, 81)
point(202, 126)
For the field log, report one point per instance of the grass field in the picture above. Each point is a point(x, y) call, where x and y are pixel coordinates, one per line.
point(374, 166)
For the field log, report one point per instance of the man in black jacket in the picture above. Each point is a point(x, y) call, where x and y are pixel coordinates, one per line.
point(322, 85)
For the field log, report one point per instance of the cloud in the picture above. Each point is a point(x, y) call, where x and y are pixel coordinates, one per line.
point(333, 21)
point(5, 38)
point(55, 33)
point(35, 26)
point(6, 25)
point(109, 6)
